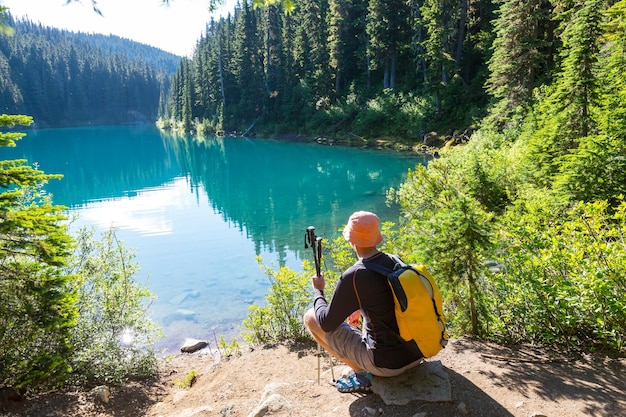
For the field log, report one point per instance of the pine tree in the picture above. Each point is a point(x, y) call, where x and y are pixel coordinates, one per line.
point(577, 83)
point(566, 113)
point(37, 307)
point(613, 71)
point(442, 20)
point(347, 40)
point(593, 111)
point(387, 28)
point(521, 53)
point(312, 46)
point(248, 65)
point(187, 95)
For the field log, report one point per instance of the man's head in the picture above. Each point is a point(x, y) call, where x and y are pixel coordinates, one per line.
point(363, 230)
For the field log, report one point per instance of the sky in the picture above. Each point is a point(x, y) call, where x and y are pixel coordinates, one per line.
point(174, 28)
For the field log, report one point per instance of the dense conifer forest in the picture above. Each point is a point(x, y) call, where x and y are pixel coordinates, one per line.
point(63, 78)
point(368, 67)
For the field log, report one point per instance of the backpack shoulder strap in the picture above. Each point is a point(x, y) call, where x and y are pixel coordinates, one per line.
point(374, 266)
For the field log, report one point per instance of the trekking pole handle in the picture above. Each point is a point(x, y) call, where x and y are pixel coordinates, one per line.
point(316, 244)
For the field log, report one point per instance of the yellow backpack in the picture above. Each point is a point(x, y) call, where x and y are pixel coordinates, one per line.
point(418, 305)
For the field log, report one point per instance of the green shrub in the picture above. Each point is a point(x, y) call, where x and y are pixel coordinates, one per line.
point(280, 319)
point(228, 349)
point(290, 295)
point(564, 278)
point(188, 381)
point(113, 335)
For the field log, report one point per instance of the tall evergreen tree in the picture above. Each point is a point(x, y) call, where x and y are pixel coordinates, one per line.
point(37, 306)
point(187, 95)
point(441, 20)
point(312, 45)
point(591, 107)
point(521, 57)
point(347, 40)
point(577, 83)
point(387, 28)
point(418, 33)
point(612, 70)
point(565, 114)
point(248, 64)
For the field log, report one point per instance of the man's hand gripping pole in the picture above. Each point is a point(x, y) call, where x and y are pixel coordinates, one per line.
point(315, 242)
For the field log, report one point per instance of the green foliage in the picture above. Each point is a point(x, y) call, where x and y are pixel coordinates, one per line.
point(530, 266)
point(563, 277)
point(521, 55)
point(299, 72)
point(188, 381)
point(280, 319)
point(577, 147)
point(342, 255)
point(392, 114)
point(37, 309)
point(80, 78)
point(113, 334)
point(595, 170)
point(449, 230)
point(612, 67)
point(228, 349)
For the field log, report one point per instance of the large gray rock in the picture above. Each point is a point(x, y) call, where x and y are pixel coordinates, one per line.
point(426, 382)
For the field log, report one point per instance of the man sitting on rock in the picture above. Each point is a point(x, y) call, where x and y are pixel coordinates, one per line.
point(377, 349)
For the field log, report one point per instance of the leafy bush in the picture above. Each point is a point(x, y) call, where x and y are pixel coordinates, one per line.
point(394, 114)
point(287, 300)
point(564, 278)
point(113, 335)
point(517, 262)
point(290, 295)
point(594, 170)
point(63, 315)
point(447, 228)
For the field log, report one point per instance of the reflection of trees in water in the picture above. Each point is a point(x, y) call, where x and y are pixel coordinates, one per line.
point(271, 190)
point(274, 190)
point(99, 163)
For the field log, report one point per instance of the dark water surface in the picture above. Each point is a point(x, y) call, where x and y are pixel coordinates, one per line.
point(198, 211)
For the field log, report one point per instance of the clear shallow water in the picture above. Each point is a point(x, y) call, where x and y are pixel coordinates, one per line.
point(198, 211)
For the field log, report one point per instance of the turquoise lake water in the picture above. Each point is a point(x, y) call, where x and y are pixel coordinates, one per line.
point(198, 211)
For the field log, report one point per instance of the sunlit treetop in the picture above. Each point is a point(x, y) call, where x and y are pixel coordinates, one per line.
point(4, 28)
point(288, 5)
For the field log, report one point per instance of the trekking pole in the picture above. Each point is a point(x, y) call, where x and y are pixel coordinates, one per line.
point(315, 242)
point(311, 240)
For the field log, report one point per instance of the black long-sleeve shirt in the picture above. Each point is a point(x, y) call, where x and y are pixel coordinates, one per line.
point(377, 307)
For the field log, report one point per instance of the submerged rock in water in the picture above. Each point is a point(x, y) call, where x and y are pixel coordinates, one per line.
point(180, 314)
point(184, 296)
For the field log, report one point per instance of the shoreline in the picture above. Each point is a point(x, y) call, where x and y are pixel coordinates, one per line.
point(486, 380)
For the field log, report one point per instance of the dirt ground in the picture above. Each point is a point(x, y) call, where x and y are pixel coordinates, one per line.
point(487, 380)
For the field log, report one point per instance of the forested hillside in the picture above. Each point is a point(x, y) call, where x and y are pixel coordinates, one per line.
point(368, 67)
point(63, 78)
